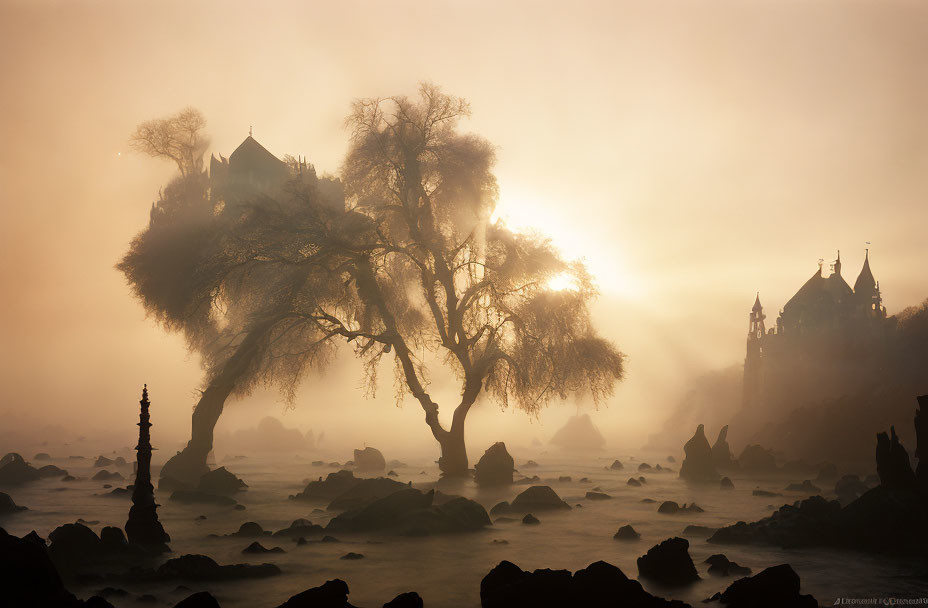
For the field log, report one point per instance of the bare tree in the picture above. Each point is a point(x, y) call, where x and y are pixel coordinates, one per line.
point(178, 138)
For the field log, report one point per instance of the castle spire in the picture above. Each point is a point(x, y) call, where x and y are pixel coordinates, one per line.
point(143, 527)
point(838, 264)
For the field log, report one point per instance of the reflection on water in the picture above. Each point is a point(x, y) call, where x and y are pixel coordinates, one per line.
point(446, 571)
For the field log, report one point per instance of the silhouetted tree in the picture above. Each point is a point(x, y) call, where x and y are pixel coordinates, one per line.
point(178, 138)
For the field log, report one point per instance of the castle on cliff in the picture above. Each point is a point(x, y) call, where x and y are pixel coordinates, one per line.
point(826, 338)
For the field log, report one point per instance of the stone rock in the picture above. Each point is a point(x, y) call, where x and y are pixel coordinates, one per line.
point(258, 548)
point(7, 506)
point(597, 496)
point(221, 481)
point(530, 519)
point(616, 465)
point(412, 512)
point(693, 530)
point(33, 537)
point(51, 470)
point(104, 475)
point(719, 565)
point(202, 599)
point(698, 464)
point(669, 507)
point(102, 461)
point(74, 545)
point(805, 486)
point(299, 528)
point(249, 529)
point(410, 599)
point(352, 556)
point(500, 507)
point(28, 577)
point(531, 464)
point(203, 568)
point(579, 434)
point(538, 498)
point(626, 532)
point(633, 482)
point(726, 484)
point(669, 563)
point(172, 484)
point(334, 485)
point(757, 459)
point(721, 452)
point(775, 587)
point(892, 462)
point(765, 493)
point(369, 459)
point(495, 467)
point(15, 471)
point(392, 473)
point(41, 456)
point(599, 585)
point(332, 594)
point(644, 467)
point(201, 498)
point(364, 492)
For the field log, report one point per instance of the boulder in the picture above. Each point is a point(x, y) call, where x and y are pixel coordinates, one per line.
point(15, 471)
point(669, 563)
point(495, 467)
point(352, 556)
point(258, 548)
point(221, 481)
point(616, 465)
point(102, 461)
point(775, 587)
point(670, 507)
point(538, 498)
point(721, 452)
point(719, 565)
point(299, 528)
point(369, 459)
point(409, 599)
point(698, 464)
point(365, 492)
point(74, 545)
point(7, 506)
point(626, 532)
point(579, 434)
point(757, 459)
point(633, 482)
point(104, 475)
point(412, 512)
point(644, 467)
point(599, 585)
point(332, 594)
point(51, 470)
point(28, 577)
point(530, 519)
point(726, 484)
point(202, 599)
point(334, 485)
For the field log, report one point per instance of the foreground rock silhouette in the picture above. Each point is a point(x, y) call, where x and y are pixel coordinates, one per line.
point(143, 528)
point(495, 467)
point(669, 563)
point(597, 586)
point(775, 587)
point(698, 464)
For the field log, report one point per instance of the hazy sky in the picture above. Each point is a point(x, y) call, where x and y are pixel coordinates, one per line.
point(692, 152)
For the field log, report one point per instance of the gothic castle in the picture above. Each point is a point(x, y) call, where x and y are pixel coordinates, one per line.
point(827, 337)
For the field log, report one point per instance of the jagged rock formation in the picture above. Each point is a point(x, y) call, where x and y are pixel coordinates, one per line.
point(892, 462)
point(579, 434)
point(14, 470)
point(332, 486)
point(143, 528)
point(698, 464)
point(495, 467)
point(669, 563)
point(597, 586)
point(719, 565)
point(721, 453)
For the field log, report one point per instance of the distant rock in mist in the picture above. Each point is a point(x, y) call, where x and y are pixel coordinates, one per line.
point(270, 435)
point(579, 434)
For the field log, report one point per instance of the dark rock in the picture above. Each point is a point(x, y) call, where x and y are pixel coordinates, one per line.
point(500, 507)
point(719, 565)
point(299, 527)
point(538, 498)
point(74, 545)
point(203, 568)
point(599, 585)
point(693, 530)
point(775, 587)
point(113, 540)
point(698, 464)
point(412, 512)
point(104, 475)
point(921, 444)
point(644, 467)
point(7, 506)
point(726, 484)
point(332, 594)
point(15, 471)
point(369, 459)
point(765, 493)
point(564, 479)
point(805, 486)
point(28, 577)
point(221, 481)
point(634, 482)
point(410, 599)
point(352, 555)
point(201, 498)
point(41, 456)
point(647, 500)
point(757, 459)
point(146, 598)
point(669, 563)
point(597, 496)
point(203, 599)
point(721, 452)
point(669, 507)
point(365, 492)
point(334, 485)
point(530, 519)
point(627, 533)
point(616, 465)
point(249, 529)
point(495, 467)
point(102, 461)
point(329, 539)
point(892, 462)
point(51, 470)
point(392, 473)
point(258, 548)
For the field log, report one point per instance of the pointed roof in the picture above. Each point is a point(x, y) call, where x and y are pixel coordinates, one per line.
point(809, 293)
point(757, 306)
point(865, 283)
point(254, 159)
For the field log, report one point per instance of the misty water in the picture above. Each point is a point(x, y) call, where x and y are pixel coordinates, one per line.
point(446, 570)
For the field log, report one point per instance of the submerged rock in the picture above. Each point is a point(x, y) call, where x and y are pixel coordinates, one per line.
point(351, 556)
point(530, 519)
point(693, 530)
point(669, 563)
point(633, 482)
point(719, 565)
point(538, 498)
point(597, 586)
point(616, 465)
point(412, 512)
point(626, 532)
point(597, 496)
point(495, 467)
point(775, 587)
point(698, 464)
point(364, 492)
point(369, 459)
point(221, 481)
point(51, 470)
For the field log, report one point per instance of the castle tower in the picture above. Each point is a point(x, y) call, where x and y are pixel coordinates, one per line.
point(867, 291)
point(753, 360)
point(143, 527)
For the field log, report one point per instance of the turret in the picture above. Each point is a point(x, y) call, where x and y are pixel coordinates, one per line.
point(867, 290)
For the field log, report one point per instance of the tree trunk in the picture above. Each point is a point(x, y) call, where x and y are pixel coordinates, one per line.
point(189, 465)
point(453, 460)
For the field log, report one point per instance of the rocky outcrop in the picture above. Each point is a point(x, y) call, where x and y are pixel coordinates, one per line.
point(669, 563)
point(331, 594)
point(221, 481)
point(409, 599)
point(257, 548)
point(538, 498)
point(669, 507)
point(775, 587)
point(201, 599)
point(726, 484)
point(892, 462)
point(719, 565)
point(15, 471)
point(921, 445)
point(334, 485)
point(411, 512)
point(626, 532)
point(579, 434)
point(698, 464)
point(597, 586)
point(369, 459)
point(721, 453)
point(365, 492)
point(495, 467)
point(7, 506)
point(200, 568)
point(300, 528)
